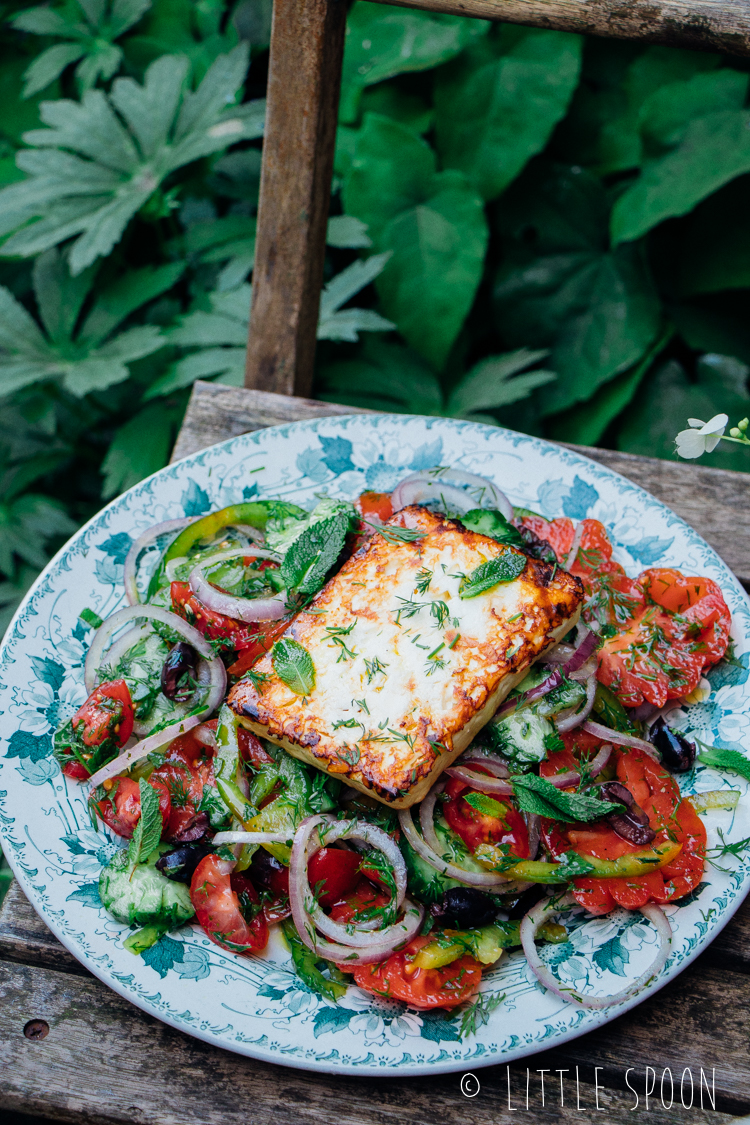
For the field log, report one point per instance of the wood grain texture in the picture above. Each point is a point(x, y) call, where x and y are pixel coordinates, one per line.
point(712, 25)
point(698, 1020)
point(307, 46)
point(139, 1070)
point(713, 501)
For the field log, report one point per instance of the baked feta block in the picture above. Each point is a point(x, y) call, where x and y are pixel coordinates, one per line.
point(411, 659)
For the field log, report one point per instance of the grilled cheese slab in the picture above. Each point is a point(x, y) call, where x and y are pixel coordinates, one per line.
point(407, 671)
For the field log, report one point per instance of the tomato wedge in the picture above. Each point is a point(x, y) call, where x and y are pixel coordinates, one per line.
point(399, 978)
point(375, 505)
point(215, 626)
point(121, 808)
point(97, 730)
point(261, 642)
point(673, 820)
point(186, 771)
point(475, 827)
point(227, 907)
point(333, 874)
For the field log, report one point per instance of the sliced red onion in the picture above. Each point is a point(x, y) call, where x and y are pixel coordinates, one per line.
point(570, 721)
point(428, 850)
point(481, 781)
point(170, 570)
point(404, 494)
point(496, 766)
point(308, 915)
point(534, 828)
point(241, 609)
point(251, 838)
point(597, 764)
point(620, 739)
point(544, 688)
point(561, 654)
point(251, 532)
point(143, 541)
point(115, 654)
point(574, 547)
point(564, 780)
point(586, 642)
point(550, 906)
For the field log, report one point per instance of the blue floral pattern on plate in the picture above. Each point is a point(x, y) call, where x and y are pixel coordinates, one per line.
point(257, 1005)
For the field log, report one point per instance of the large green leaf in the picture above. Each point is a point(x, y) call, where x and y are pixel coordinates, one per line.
point(432, 222)
point(697, 135)
point(601, 130)
point(89, 31)
point(496, 381)
point(382, 42)
point(103, 158)
point(666, 401)
point(561, 287)
point(139, 448)
point(715, 242)
point(90, 360)
point(199, 31)
point(497, 104)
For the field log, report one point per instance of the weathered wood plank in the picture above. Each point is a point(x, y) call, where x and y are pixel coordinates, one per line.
point(137, 1069)
point(307, 46)
point(708, 499)
point(712, 25)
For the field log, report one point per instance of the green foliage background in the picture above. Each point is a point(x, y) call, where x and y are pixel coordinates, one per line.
point(541, 231)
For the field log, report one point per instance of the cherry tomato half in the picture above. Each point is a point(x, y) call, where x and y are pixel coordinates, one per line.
point(477, 828)
point(186, 772)
point(227, 907)
point(258, 644)
point(333, 874)
point(375, 506)
point(105, 720)
point(121, 808)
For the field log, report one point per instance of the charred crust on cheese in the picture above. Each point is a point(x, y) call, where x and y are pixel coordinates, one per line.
point(393, 733)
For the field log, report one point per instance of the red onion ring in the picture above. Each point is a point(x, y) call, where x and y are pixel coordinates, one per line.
point(378, 945)
point(427, 850)
point(419, 491)
point(561, 654)
point(564, 780)
point(574, 719)
point(586, 642)
point(241, 609)
point(403, 494)
point(496, 766)
point(534, 828)
point(544, 688)
point(205, 735)
point(574, 547)
point(250, 838)
point(597, 764)
point(115, 654)
point(620, 739)
point(481, 781)
point(534, 919)
point(143, 541)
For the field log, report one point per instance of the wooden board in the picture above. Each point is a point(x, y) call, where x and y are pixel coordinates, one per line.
point(307, 45)
point(708, 499)
point(137, 1069)
point(714, 25)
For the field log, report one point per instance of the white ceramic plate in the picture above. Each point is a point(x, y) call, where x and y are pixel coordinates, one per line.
point(256, 1005)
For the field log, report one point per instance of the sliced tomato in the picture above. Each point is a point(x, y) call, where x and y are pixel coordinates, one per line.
point(673, 819)
point(558, 533)
point(186, 771)
point(399, 978)
point(213, 625)
point(121, 808)
point(251, 749)
point(333, 874)
point(100, 727)
point(375, 505)
point(261, 642)
point(227, 907)
point(477, 828)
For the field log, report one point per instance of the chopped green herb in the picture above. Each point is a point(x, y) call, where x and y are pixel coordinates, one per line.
point(423, 579)
point(537, 795)
point(485, 805)
point(503, 568)
point(717, 758)
point(293, 664)
point(93, 620)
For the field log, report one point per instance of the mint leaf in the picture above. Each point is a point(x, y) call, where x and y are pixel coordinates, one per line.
point(719, 759)
point(537, 795)
point(148, 829)
point(489, 522)
point(312, 555)
point(488, 806)
point(503, 568)
point(293, 664)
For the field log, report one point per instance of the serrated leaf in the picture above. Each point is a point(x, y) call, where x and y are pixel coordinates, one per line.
point(485, 805)
point(147, 832)
point(537, 795)
point(385, 376)
point(293, 664)
point(497, 104)
point(495, 382)
point(336, 325)
point(91, 170)
point(312, 554)
point(505, 567)
point(347, 232)
point(139, 448)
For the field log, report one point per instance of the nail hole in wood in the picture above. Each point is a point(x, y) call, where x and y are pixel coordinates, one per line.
point(36, 1029)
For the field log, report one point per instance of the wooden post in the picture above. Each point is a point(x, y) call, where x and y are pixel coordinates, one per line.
point(307, 46)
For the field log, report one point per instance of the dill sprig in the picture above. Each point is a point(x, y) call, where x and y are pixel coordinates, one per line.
point(479, 1013)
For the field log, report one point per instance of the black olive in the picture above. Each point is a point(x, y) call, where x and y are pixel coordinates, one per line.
point(632, 825)
point(180, 864)
point(263, 868)
point(677, 752)
point(465, 908)
point(182, 662)
point(519, 905)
